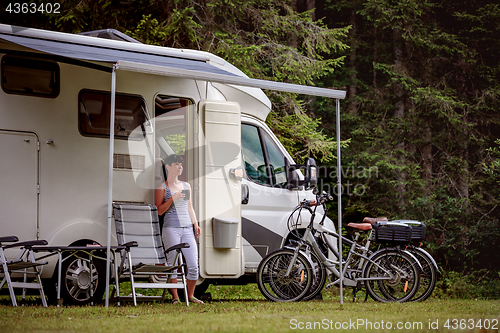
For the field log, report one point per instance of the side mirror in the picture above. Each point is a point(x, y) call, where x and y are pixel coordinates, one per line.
point(310, 179)
point(293, 181)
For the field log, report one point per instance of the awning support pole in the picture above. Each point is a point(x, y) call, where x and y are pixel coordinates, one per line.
point(339, 202)
point(110, 178)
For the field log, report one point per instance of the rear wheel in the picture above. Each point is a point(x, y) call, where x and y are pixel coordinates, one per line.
point(78, 276)
point(428, 274)
point(201, 288)
point(274, 282)
point(394, 276)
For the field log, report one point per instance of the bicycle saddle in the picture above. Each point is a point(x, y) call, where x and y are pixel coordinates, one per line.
point(372, 220)
point(360, 226)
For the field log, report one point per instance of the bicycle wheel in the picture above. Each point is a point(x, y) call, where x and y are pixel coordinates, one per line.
point(394, 276)
point(276, 285)
point(428, 274)
point(319, 274)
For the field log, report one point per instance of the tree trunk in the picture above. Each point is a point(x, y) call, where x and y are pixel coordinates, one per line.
point(399, 114)
point(311, 4)
point(427, 158)
point(353, 108)
point(375, 57)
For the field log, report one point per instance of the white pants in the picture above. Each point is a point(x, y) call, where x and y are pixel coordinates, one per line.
point(174, 236)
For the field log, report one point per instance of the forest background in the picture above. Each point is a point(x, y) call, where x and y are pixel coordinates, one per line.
point(421, 121)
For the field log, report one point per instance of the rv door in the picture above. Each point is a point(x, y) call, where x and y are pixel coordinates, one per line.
point(19, 169)
point(220, 190)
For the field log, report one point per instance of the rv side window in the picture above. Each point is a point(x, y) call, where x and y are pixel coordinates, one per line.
point(171, 123)
point(276, 161)
point(94, 111)
point(173, 129)
point(253, 155)
point(264, 162)
point(31, 77)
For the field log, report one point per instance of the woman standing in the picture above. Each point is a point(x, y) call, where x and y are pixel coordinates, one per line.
point(171, 200)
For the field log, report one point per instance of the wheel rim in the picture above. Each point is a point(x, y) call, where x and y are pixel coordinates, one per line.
point(394, 288)
point(79, 280)
point(402, 284)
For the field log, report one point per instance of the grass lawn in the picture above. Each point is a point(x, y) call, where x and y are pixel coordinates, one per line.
point(243, 309)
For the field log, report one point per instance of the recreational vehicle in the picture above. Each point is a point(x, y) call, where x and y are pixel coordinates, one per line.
point(60, 172)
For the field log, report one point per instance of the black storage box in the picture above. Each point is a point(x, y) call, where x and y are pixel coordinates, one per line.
point(418, 229)
point(392, 232)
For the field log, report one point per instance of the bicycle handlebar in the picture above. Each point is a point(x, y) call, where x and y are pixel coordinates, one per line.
point(320, 200)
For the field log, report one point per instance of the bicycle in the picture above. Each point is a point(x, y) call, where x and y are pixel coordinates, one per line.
point(430, 270)
point(299, 270)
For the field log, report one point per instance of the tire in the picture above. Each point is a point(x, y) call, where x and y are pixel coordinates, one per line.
point(428, 274)
point(403, 273)
point(277, 287)
point(76, 280)
point(320, 275)
point(201, 288)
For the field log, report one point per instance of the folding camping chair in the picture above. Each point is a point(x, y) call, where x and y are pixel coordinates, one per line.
point(24, 264)
point(137, 228)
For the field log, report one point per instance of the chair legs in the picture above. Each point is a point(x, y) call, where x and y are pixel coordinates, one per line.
point(145, 272)
point(24, 264)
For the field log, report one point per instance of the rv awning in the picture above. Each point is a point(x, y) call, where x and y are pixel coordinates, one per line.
point(229, 79)
point(111, 55)
point(145, 58)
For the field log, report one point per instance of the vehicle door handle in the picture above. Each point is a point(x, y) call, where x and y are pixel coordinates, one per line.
point(245, 194)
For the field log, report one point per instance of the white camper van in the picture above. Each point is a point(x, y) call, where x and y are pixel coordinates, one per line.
point(56, 181)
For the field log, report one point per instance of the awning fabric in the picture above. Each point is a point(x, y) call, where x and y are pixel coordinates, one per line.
point(229, 79)
point(139, 58)
point(96, 53)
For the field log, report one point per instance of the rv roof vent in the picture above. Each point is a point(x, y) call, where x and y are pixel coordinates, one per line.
point(110, 34)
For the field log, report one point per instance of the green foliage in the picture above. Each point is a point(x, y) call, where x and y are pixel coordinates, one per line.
point(269, 40)
point(177, 142)
point(492, 167)
point(300, 134)
point(182, 28)
point(148, 31)
point(426, 114)
point(480, 284)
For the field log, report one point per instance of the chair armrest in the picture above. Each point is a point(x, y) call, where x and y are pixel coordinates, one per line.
point(9, 239)
point(177, 247)
point(131, 244)
point(27, 244)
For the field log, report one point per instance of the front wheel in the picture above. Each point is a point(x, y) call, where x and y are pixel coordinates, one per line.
point(278, 286)
point(392, 276)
